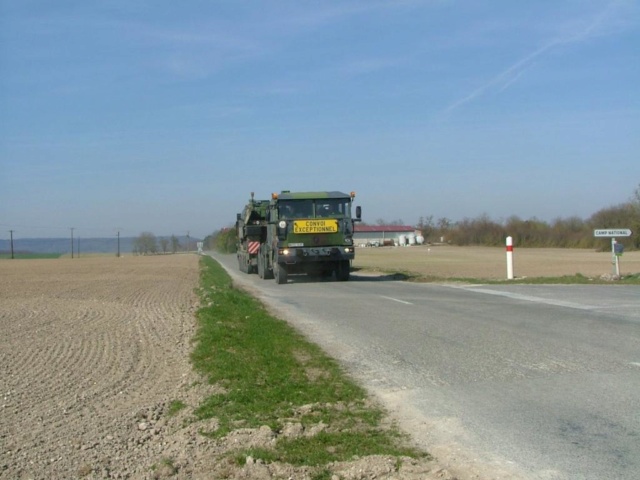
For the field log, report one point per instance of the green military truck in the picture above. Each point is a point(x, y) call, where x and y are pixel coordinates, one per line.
point(298, 233)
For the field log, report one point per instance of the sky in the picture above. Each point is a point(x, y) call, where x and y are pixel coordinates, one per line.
point(163, 116)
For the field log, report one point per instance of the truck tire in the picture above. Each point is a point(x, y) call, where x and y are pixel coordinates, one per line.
point(280, 274)
point(343, 270)
point(264, 271)
point(260, 265)
point(268, 273)
point(242, 263)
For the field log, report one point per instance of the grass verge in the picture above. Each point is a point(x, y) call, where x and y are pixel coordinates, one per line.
point(29, 256)
point(271, 375)
point(576, 279)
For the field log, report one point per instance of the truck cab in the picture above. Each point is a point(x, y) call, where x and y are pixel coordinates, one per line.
point(309, 233)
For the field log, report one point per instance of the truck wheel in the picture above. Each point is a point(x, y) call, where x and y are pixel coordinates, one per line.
point(260, 265)
point(268, 273)
point(242, 263)
point(263, 265)
point(280, 274)
point(343, 270)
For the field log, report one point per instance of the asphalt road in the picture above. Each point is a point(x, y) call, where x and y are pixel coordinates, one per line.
point(539, 381)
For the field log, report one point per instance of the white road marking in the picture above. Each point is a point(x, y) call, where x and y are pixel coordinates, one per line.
point(635, 364)
point(528, 298)
point(396, 300)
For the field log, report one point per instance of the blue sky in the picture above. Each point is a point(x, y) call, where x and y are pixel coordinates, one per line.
point(163, 116)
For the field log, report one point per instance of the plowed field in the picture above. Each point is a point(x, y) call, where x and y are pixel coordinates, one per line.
point(90, 350)
point(491, 263)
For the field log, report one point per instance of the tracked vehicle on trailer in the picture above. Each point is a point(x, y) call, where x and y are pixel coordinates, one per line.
point(298, 233)
point(251, 227)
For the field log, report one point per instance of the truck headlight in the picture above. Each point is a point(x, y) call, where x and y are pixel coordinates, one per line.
point(282, 224)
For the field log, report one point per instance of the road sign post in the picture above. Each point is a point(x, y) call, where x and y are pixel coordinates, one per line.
point(612, 233)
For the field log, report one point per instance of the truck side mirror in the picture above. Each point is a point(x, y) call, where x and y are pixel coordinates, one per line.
point(238, 216)
point(359, 212)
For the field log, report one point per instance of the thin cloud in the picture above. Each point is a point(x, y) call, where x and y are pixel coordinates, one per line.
point(599, 25)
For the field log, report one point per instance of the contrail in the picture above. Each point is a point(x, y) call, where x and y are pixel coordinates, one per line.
point(515, 71)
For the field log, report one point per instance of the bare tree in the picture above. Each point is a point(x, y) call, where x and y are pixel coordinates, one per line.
point(426, 226)
point(145, 244)
point(635, 198)
point(175, 244)
point(164, 244)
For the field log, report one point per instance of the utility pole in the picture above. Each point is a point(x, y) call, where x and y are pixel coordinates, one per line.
point(11, 232)
point(71, 242)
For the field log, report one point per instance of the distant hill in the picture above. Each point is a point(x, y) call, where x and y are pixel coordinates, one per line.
point(85, 245)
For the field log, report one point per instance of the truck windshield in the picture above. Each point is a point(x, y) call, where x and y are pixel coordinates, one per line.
point(332, 207)
point(320, 208)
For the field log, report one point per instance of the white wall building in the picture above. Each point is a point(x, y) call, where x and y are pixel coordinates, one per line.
point(380, 235)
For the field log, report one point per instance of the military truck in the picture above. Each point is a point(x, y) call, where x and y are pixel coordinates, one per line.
point(298, 233)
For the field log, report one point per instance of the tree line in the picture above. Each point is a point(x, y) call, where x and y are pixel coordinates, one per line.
point(223, 241)
point(572, 232)
point(148, 244)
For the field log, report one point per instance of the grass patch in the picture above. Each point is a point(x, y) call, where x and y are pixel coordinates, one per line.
point(327, 447)
point(271, 375)
point(576, 279)
point(175, 406)
point(29, 256)
point(165, 469)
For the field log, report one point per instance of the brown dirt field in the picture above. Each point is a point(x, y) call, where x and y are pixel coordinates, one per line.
point(90, 349)
point(490, 262)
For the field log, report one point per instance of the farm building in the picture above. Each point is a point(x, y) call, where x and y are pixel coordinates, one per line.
point(379, 235)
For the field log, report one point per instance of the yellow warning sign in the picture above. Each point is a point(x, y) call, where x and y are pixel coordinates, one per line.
point(315, 226)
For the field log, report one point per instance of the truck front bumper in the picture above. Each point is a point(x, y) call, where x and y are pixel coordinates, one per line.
point(295, 255)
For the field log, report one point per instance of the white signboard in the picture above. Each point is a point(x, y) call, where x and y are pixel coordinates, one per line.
point(612, 232)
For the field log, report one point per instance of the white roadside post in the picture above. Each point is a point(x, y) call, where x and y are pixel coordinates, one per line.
point(509, 258)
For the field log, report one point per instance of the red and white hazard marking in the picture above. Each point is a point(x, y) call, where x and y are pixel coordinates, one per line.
point(253, 247)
